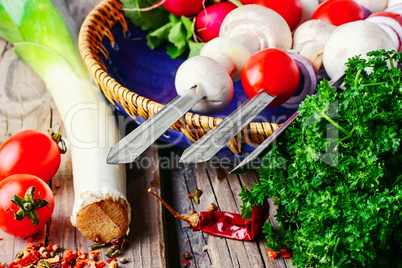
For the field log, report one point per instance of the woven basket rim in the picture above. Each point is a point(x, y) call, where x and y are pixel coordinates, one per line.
point(97, 26)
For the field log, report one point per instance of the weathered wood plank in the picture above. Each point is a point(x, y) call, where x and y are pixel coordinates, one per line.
point(147, 234)
point(25, 104)
point(222, 189)
point(183, 183)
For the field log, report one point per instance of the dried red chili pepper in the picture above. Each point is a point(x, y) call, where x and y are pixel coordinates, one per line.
point(224, 224)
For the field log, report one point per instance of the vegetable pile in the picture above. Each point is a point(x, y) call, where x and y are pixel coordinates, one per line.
point(335, 174)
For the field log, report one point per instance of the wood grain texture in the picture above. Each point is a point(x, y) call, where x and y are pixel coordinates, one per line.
point(156, 238)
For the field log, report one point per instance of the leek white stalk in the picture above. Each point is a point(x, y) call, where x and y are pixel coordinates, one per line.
point(41, 38)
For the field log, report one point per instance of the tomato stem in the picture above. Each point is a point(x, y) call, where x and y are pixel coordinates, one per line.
point(58, 138)
point(28, 205)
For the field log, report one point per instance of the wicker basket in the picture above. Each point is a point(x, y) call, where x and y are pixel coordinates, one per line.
point(95, 28)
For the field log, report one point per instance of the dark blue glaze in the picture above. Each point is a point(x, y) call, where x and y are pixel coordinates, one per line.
point(151, 73)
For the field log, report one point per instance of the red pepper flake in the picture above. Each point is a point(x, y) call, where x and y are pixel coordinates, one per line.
point(99, 264)
point(95, 253)
point(110, 260)
point(29, 239)
point(285, 253)
point(175, 168)
point(186, 262)
point(1, 238)
point(49, 248)
point(190, 196)
point(273, 254)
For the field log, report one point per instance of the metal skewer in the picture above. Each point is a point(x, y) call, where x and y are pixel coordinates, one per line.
point(135, 143)
point(210, 144)
point(262, 149)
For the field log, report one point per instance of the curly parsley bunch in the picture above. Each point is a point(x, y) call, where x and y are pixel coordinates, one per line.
point(336, 173)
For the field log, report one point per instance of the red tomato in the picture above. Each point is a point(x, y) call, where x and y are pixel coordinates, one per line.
point(30, 152)
point(187, 8)
point(338, 12)
point(290, 10)
point(208, 21)
point(17, 187)
point(271, 70)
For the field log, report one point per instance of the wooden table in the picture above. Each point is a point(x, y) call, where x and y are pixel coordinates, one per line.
point(156, 238)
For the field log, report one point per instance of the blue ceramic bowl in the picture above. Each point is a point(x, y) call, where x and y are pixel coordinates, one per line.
point(151, 74)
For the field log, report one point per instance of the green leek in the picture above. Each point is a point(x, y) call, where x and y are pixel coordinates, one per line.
point(42, 36)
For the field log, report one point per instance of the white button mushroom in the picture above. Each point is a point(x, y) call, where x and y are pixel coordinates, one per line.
point(257, 27)
point(227, 51)
point(352, 39)
point(310, 38)
point(212, 80)
point(373, 5)
point(308, 7)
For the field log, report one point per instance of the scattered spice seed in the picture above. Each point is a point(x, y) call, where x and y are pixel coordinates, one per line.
point(123, 260)
point(45, 255)
point(212, 207)
point(55, 247)
point(113, 264)
point(187, 256)
point(31, 257)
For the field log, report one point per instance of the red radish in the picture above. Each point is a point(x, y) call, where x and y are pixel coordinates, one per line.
point(187, 8)
point(208, 21)
point(290, 10)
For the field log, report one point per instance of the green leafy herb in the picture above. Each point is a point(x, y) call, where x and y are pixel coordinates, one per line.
point(145, 20)
point(335, 174)
point(177, 33)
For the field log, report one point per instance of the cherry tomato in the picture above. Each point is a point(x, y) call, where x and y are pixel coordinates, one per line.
point(290, 10)
point(338, 12)
point(187, 8)
point(30, 152)
point(21, 188)
point(271, 70)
